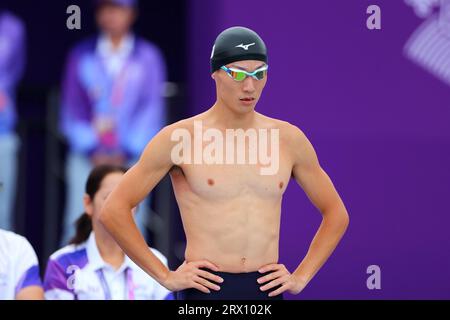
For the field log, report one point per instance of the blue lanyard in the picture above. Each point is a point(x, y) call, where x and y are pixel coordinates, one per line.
point(105, 286)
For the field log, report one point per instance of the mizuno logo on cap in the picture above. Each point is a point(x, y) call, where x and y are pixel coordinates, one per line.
point(245, 46)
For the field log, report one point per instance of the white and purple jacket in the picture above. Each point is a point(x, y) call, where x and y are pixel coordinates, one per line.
point(18, 265)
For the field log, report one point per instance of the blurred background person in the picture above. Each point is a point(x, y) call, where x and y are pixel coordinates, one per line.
point(112, 101)
point(429, 44)
point(19, 269)
point(12, 61)
point(93, 266)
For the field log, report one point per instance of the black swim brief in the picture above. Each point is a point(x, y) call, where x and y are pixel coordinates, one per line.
point(236, 286)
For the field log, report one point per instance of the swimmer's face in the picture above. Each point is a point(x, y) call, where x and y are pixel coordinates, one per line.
point(240, 96)
point(115, 20)
point(93, 206)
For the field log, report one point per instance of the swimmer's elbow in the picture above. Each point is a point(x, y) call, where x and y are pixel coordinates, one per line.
point(338, 217)
point(104, 216)
point(345, 220)
point(107, 214)
point(114, 212)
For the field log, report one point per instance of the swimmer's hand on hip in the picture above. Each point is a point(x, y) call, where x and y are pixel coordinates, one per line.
point(191, 275)
point(278, 277)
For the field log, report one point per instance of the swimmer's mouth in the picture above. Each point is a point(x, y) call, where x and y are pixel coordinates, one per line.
point(247, 99)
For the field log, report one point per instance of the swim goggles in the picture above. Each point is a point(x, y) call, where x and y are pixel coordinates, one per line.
point(241, 75)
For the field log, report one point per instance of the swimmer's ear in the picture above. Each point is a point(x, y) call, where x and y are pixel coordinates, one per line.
point(88, 205)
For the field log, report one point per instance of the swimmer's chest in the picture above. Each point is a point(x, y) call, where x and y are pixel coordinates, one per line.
point(223, 181)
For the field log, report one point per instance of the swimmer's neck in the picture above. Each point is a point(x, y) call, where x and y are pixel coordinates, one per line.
point(109, 250)
point(224, 116)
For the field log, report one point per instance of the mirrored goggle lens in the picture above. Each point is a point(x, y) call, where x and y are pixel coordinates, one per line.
point(237, 75)
point(260, 74)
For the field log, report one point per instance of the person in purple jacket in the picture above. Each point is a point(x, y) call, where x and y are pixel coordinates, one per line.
point(12, 61)
point(112, 101)
point(93, 266)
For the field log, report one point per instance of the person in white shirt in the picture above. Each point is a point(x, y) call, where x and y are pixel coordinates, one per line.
point(19, 269)
point(93, 266)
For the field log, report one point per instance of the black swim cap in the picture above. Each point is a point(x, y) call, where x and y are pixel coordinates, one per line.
point(236, 44)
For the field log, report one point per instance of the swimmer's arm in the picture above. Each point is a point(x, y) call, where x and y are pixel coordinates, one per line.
point(116, 214)
point(322, 193)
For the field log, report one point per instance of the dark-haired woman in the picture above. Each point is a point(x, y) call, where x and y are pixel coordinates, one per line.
point(93, 266)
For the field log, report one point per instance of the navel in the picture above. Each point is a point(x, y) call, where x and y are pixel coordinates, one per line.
point(281, 184)
point(210, 182)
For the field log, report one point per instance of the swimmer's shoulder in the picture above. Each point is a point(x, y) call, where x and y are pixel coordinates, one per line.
point(289, 132)
point(184, 124)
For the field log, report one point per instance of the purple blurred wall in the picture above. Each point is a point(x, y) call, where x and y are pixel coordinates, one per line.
point(380, 126)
